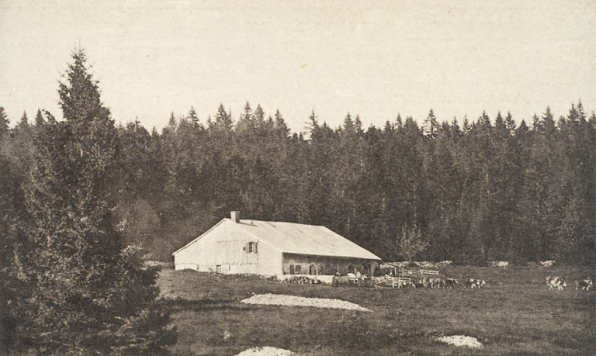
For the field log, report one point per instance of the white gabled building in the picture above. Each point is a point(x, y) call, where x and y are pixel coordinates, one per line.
point(273, 248)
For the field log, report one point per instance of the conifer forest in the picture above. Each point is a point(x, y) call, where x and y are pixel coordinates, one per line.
point(488, 188)
point(77, 190)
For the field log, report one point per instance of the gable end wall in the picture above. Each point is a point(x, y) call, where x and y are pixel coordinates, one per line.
point(224, 246)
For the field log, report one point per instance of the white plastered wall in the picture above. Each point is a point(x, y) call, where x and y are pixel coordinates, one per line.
point(223, 249)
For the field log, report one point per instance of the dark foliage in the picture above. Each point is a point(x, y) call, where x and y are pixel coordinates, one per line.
point(488, 190)
point(89, 292)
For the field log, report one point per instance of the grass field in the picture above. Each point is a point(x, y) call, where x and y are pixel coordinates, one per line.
point(514, 314)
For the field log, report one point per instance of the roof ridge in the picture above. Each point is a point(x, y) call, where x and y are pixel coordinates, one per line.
point(278, 222)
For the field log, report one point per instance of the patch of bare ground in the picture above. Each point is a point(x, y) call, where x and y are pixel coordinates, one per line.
point(294, 301)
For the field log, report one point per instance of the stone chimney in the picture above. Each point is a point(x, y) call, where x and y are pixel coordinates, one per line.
point(235, 215)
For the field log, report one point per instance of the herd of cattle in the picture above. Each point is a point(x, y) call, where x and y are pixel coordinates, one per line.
point(559, 283)
point(423, 280)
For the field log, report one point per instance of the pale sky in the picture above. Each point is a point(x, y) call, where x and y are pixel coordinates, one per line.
point(373, 58)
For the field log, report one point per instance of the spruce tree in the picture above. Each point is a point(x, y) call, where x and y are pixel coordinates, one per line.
point(39, 121)
point(223, 124)
point(431, 125)
point(3, 122)
point(92, 293)
point(24, 122)
point(193, 117)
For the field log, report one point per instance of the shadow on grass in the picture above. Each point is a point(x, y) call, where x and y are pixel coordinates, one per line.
point(204, 305)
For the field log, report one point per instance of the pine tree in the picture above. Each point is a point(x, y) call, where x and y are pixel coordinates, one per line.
point(172, 123)
point(258, 118)
point(39, 121)
point(398, 122)
point(223, 121)
point(24, 122)
point(246, 126)
point(3, 122)
point(281, 130)
point(92, 293)
point(510, 123)
point(431, 125)
point(193, 117)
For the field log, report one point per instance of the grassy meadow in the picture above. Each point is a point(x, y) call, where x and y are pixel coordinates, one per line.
point(514, 314)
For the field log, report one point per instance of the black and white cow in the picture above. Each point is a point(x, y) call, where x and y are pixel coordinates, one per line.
point(449, 283)
point(474, 283)
point(434, 282)
point(584, 284)
point(555, 282)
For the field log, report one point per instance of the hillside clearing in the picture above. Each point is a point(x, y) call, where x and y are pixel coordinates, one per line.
point(514, 313)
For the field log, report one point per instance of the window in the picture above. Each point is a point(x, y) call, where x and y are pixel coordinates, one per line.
point(252, 247)
point(321, 270)
point(218, 268)
point(297, 269)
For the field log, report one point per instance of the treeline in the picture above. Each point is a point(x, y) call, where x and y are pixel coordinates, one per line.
point(488, 189)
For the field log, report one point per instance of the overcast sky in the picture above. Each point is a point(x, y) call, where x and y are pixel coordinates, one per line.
point(373, 58)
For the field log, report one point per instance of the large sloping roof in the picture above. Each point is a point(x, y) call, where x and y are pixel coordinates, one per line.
point(304, 239)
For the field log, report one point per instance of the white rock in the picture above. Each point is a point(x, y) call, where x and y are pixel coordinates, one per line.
point(291, 300)
point(266, 351)
point(461, 340)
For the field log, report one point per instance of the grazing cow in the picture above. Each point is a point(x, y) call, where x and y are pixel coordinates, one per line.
point(404, 282)
point(474, 283)
point(500, 264)
point(434, 282)
point(419, 283)
point(340, 280)
point(449, 283)
point(555, 282)
point(584, 284)
point(352, 278)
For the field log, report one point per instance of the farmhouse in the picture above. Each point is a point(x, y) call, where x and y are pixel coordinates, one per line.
point(273, 248)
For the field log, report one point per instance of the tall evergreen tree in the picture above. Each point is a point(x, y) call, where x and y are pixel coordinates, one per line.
point(39, 121)
point(193, 117)
point(92, 293)
point(223, 121)
point(24, 122)
point(3, 122)
point(431, 125)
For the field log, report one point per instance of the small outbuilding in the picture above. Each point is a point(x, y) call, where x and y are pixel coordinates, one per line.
point(273, 248)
